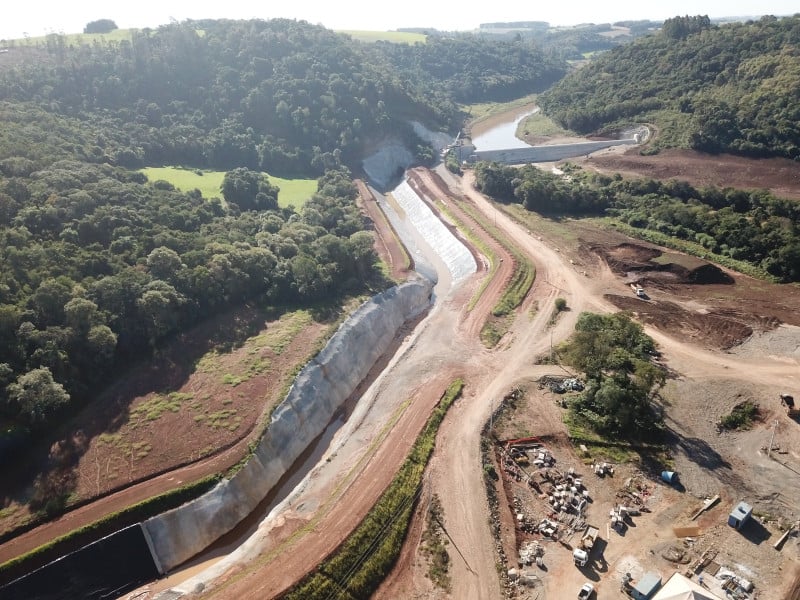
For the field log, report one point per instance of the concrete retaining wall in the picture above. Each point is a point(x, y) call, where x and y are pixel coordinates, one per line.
point(547, 153)
point(319, 390)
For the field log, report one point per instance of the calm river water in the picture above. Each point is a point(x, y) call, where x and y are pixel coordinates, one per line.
point(503, 135)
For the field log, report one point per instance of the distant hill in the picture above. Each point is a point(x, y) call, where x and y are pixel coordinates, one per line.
point(728, 88)
point(573, 43)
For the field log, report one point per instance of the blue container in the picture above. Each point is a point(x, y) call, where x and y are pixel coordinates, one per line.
point(670, 477)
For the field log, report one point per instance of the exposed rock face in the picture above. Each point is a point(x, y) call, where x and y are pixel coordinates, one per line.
point(391, 159)
point(319, 390)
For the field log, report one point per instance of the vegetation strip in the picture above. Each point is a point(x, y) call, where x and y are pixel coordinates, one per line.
point(521, 279)
point(749, 231)
point(365, 558)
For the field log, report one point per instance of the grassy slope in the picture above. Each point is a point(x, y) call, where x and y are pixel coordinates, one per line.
point(293, 191)
point(81, 38)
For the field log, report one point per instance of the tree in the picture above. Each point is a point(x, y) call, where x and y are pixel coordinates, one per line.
point(81, 315)
point(100, 26)
point(614, 352)
point(249, 190)
point(37, 396)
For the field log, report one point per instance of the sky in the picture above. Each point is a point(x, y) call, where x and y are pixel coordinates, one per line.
point(35, 18)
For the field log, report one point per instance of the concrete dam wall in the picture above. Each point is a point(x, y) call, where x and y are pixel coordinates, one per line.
point(318, 391)
point(546, 153)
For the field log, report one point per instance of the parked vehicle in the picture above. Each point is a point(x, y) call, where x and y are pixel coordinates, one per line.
point(587, 589)
point(581, 554)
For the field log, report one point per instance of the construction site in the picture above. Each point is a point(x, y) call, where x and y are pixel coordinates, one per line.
point(566, 517)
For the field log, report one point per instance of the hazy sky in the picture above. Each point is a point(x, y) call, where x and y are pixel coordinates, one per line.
point(56, 16)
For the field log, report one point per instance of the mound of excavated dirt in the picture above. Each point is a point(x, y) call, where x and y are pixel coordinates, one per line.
point(638, 263)
point(709, 328)
point(709, 274)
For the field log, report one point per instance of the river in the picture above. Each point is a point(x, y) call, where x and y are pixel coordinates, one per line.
point(500, 132)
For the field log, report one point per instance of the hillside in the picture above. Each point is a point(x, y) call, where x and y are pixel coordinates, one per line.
point(280, 96)
point(102, 268)
point(731, 88)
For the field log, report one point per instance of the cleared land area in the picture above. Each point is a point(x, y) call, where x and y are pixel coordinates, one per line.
point(779, 175)
point(292, 191)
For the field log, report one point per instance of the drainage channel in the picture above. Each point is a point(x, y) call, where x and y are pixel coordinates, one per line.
point(249, 525)
point(445, 265)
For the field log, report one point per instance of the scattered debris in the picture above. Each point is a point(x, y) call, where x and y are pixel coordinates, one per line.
point(706, 505)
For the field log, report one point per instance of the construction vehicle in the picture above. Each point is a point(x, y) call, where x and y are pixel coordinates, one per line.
point(638, 290)
point(581, 554)
point(586, 591)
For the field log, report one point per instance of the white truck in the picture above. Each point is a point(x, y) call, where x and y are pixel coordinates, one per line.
point(581, 555)
point(586, 591)
point(638, 290)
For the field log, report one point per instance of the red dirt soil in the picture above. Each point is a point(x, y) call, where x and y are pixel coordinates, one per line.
point(738, 305)
point(779, 175)
point(106, 465)
point(387, 245)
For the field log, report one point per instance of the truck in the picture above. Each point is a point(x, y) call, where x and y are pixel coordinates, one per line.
point(638, 290)
point(586, 591)
point(581, 554)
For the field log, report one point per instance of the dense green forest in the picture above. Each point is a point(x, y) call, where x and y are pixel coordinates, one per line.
point(750, 226)
point(468, 68)
point(100, 266)
point(279, 96)
point(731, 88)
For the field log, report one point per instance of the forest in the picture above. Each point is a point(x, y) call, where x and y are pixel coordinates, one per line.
point(730, 88)
point(754, 227)
point(102, 266)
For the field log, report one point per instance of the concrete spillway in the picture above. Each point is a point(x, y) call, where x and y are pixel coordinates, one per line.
point(319, 391)
point(418, 217)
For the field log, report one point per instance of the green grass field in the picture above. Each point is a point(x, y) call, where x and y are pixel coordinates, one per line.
point(541, 125)
point(293, 191)
point(398, 37)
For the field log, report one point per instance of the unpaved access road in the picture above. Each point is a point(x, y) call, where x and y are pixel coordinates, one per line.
point(445, 346)
point(457, 476)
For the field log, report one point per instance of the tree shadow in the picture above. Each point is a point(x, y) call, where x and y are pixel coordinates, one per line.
point(704, 456)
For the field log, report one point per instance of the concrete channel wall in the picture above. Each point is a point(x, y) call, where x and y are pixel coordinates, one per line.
point(319, 390)
point(532, 154)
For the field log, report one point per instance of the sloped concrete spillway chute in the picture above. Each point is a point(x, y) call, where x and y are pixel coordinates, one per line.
point(317, 393)
point(458, 260)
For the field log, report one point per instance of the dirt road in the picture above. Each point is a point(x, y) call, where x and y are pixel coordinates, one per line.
point(361, 462)
point(457, 475)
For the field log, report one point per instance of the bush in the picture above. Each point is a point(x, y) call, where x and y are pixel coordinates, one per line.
point(741, 417)
point(561, 304)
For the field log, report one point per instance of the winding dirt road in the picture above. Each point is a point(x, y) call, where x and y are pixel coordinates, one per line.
point(365, 455)
point(456, 473)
